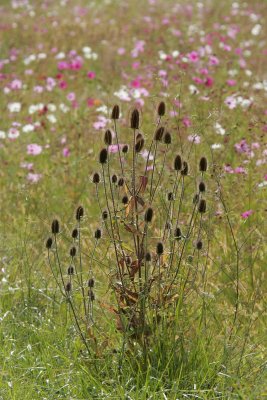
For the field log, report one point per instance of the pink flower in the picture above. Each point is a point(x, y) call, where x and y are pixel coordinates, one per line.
point(213, 60)
point(62, 85)
point(230, 101)
point(90, 102)
point(194, 139)
point(62, 65)
point(187, 122)
point(265, 177)
point(34, 149)
point(71, 96)
point(240, 170)
point(193, 56)
point(33, 178)
point(66, 152)
point(121, 51)
point(114, 148)
point(246, 214)
point(209, 81)
point(16, 84)
point(91, 75)
point(136, 83)
point(231, 82)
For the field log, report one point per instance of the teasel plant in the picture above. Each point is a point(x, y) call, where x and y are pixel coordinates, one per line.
point(156, 210)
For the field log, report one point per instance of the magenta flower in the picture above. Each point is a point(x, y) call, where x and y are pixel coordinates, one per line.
point(66, 152)
point(246, 214)
point(193, 56)
point(91, 75)
point(187, 122)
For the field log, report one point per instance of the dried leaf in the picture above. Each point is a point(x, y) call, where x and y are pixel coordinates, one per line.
point(143, 183)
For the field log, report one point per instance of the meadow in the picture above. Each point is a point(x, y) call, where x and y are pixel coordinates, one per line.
point(150, 293)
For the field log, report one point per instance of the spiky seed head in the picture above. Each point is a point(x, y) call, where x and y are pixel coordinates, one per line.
point(202, 187)
point(98, 234)
point(49, 243)
point(55, 227)
point(199, 244)
point(73, 252)
point(148, 257)
point(75, 233)
point(149, 214)
point(125, 148)
point(139, 136)
point(121, 182)
point(114, 178)
point(161, 109)
point(159, 134)
point(96, 178)
point(159, 248)
point(125, 200)
point(70, 270)
point(184, 171)
point(203, 164)
point(103, 156)
point(104, 214)
point(202, 206)
point(139, 145)
point(178, 233)
point(167, 138)
point(79, 213)
point(68, 287)
point(170, 196)
point(135, 119)
point(178, 163)
point(108, 137)
point(91, 283)
point(115, 112)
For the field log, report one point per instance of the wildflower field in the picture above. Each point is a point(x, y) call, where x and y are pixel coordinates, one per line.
point(133, 199)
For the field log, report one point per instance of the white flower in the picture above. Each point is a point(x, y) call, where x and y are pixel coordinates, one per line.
point(193, 89)
point(13, 133)
point(2, 135)
point(14, 107)
point(63, 107)
point(52, 107)
point(219, 129)
point(122, 94)
point(35, 107)
point(29, 59)
point(87, 49)
point(175, 53)
point(162, 55)
point(262, 184)
point(28, 128)
point(51, 118)
point(256, 30)
point(216, 146)
point(41, 56)
point(103, 109)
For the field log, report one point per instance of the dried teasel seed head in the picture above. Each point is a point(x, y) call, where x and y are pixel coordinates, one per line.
point(121, 182)
point(125, 148)
point(75, 233)
point(68, 287)
point(115, 114)
point(178, 233)
point(108, 137)
point(73, 252)
point(125, 200)
point(159, 133)
point(196, 198)
point(55, 227)
point(91, 295)
point(199, 244)
point(139, 136)
point(202, 206)
point(70, 270)
point(167, 138)
point(91, 283)
point(159, 248)
point(139, 145)
point(96, 178)
point(104, 214)
point(203, 164)
point(149, 214)
point(103, 156)
point(161, 109)
point(135, 119)
point(178, 163)
point(148, 257)
point(114, 178)
point(98, 234)
point(49, 243)
point(202, 187)
point(184, 171)
point(170, 196)
point(79, 213)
